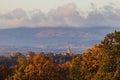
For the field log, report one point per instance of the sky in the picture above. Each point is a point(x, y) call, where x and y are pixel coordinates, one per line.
point(54, 13)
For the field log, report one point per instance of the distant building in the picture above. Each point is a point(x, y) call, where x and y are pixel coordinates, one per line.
point(16, 54)
point(12, 54)
point(69, 52)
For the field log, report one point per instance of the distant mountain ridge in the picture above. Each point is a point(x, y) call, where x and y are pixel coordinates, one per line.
point(55, 38)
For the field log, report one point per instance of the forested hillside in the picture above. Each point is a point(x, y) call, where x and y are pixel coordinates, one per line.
point(101, 62)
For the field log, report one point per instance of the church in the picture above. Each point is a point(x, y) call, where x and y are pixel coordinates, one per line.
point(69, 52)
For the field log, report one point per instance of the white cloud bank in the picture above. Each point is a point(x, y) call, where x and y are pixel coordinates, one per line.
point(62, 16)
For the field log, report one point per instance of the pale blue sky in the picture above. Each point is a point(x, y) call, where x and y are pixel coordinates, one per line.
point(47, 5)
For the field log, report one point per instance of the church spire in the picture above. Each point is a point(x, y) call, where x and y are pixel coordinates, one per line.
point(69, 50)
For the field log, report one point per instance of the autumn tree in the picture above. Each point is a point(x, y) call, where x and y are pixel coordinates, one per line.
point(65, 69)
point(110, 61)
point(90, 62)
point(74, 70)
point(19, 73)
point(46, 69)
point(40, 67)
point(3, 72)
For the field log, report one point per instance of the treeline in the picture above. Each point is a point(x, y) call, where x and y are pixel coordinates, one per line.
point(102, 62)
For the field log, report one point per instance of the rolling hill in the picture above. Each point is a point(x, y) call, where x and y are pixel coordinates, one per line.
point(47, 39)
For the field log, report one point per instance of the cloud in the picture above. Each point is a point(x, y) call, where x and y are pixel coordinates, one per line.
point(13, 19)
point(67, 15)
point(64, 10)
point(107, 16)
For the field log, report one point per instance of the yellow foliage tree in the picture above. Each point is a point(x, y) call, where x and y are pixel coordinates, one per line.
point(90, 62)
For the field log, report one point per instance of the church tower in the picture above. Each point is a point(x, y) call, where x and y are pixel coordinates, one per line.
point(69, 50)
